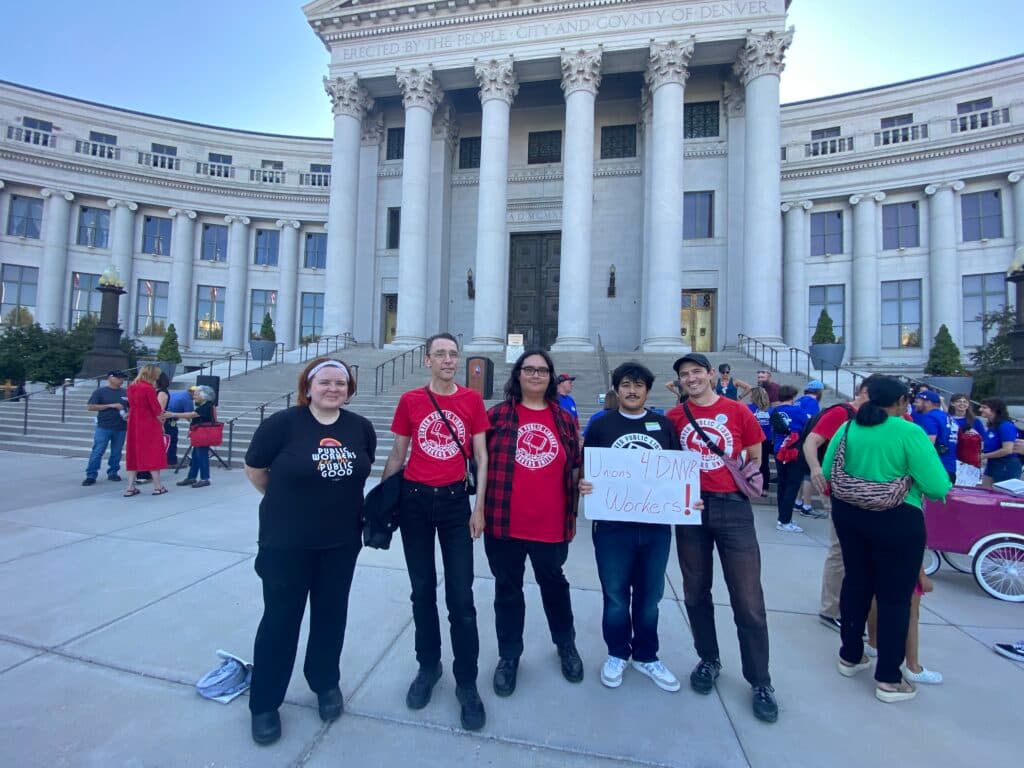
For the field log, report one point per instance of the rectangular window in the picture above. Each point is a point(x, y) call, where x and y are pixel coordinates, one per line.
point(826, 233)
point(36, 124)
point(981, 215)
point(151, 308)
point(164, 149)
point(93, 227)
point(901, 314)
point(25, 217)
point(269, 172)
point(831, 298)
point(161, 156)
point(319, 167)
point(700, 120)
point(312, 321)
point(103, 138)
point(900, 226)
point(262, 303)
point(897, 120)
point(618, 141)
point(698, 215)
point(156, 235)
point(33, 131)
point(215, 243)
point(825, 133)
point(316, 250)
point(319, 175)
point(85, 299)
point(396, 144)
point(394, 227)
point(544, 147)
point(220, 159)
point(975, 105)
point(469, 152)
point(982, 294)
point(267, 241)
point(209, 312)
point(18, 294)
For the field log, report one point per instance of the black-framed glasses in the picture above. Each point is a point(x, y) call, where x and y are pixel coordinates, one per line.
point(529, 370)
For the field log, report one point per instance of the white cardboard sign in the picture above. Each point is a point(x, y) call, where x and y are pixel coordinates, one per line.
point(642, 486)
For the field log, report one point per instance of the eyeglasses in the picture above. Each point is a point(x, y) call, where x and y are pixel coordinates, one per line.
point(442, 355)
point(529, 370)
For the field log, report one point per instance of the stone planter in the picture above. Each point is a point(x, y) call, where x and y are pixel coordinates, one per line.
point(827, 357)
point(950, 385)
point(262, 350)
point(168, 368)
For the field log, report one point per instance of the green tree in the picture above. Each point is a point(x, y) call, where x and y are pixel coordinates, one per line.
point(993, 354)
point(944, 357)
point(169, 352)
point(267, 328)
point(823, 331)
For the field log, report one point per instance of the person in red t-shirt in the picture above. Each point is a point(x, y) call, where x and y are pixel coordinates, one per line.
point(728, 524)
point(444, 424)
point(532, 471)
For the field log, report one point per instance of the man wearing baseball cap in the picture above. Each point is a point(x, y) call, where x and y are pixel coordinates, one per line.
point(110, 404)
point(727, 523)
point(565, 398)
point(933, 419)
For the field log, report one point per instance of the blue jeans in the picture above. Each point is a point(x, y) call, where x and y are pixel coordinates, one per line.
point(631, 560)
point(100, 439)
point(200, 464)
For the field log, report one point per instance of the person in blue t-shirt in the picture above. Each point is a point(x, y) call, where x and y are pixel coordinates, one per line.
point(810, 401)
point(565, 398)
point(787, 418)
point(1001, 463)
point(761, 408)
point(929, 415)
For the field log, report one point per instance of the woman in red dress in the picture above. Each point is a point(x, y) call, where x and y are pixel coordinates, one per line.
point(144, 450)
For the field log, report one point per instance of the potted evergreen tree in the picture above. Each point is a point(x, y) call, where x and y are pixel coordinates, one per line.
point(168, 356)
point(826, 351)
point(944, 369)
point(264, 344)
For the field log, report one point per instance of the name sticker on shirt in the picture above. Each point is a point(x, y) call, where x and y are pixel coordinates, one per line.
point(652, 426)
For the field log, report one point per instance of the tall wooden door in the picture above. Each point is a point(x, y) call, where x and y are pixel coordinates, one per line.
point(533, 287)
point(697, 320)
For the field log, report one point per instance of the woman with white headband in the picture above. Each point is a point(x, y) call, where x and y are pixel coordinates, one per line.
point(310, 462)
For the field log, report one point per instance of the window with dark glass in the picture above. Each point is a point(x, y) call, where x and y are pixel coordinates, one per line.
point(700, 119)
point(36, 124)
point(311, 321)
point(103, 138)
point(18, 286)
point(93, 227)
point(25, 217)
point(544, 147)
point(897, 120)
point(319, 167)
point(394, 227)
point(215, 243)
point(826, 233)
point(975, 105)
point(151, 308)
point(831, 298)
point(395, 144)
point(85, 299)
point(209, 312)
point(220, 159)
point(825, 133)
point(618, 141)
point(267, 241)
point(316, 250)
point(901, 313)
point(698, 215)
point(164, 149)
point(983, 294)
point(262, 303)
point(469, 152)
point(982, 215)
point(900, 227)
point(156, 235)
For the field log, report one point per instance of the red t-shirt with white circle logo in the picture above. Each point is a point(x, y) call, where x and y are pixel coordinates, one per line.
point(730, 425)
point(537, 507)
point(435, 459)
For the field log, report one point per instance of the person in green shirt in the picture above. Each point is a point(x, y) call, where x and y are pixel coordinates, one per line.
point(882, 551)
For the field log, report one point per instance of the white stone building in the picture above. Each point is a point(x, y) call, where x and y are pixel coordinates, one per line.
point(558, 169)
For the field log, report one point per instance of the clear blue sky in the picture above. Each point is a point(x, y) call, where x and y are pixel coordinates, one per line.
point(258, 65)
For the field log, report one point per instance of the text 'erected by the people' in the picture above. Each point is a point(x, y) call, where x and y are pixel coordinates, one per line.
point(642, 486)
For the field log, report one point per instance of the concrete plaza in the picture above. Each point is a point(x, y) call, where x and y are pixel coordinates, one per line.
point(112, 608)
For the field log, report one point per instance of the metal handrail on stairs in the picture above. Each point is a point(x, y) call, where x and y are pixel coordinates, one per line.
point(763, 351)
point(340, 340)
point(602, 358)
point(800, 362)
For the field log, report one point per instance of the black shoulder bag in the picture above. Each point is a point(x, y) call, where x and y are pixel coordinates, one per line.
point(470, 461)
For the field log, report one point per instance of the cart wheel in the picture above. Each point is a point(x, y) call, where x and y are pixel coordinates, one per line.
point(999, 570)
point(961, 563)
point(931, 562)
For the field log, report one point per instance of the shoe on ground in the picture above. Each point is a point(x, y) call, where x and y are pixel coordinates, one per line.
point(926, 676)
point(829, 622)
point(870, 651)
point(143, 480)
point(114, 478)
point(186, 481)
point(572, 664)
point(849, 670)
point(472, 714)
point(1013, 651)
point(904, 692)
point(766, 709)
point(659, 673)
point(788, 527)
point(266, 728)
point(331, 704)
point(89, 481)
point(611, 672)
point(200, 483)
point(422, 687)
point(505, 676)
point(703, 676)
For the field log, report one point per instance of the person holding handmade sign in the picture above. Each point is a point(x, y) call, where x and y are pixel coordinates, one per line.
point(532, 472)
point(632, 556)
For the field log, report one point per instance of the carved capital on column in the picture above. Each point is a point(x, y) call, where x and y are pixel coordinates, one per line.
point(876, 196)
point(955, 185)
point(123, 203)
point(419, 88)
point(446, 125)
point(734, 97)
point(172, 212)
point(762, 55)
point(232, 218)
point(348, 97)
point(1013, 178)
point(497, 80)
point(802, 204)
point(581, 71)
point(47, 192)
point(280, 223)
point(668, 63)
point(373, 128)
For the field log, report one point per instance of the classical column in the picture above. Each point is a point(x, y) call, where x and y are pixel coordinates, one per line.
point(56, 217)
point(1018, 206)
point(865, 301)
point(943, 288)
point(794, 289)
point(666, 75)
point(734, 101)
point(758, 66)
point(445, 130)
point(498, 87)
point(420, 96)
point(287, 294)
point(645, 129)
point(180, 290)
point(350, 102)
point(365, 324)
point(122, 233)
point(236, 329)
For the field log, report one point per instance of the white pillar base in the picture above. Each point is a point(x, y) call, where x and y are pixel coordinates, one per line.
point(666, 346)
point(484, 345)
point(573, 344)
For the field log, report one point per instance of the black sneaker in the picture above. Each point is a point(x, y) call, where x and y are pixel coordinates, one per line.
point(703, 677)
point(829, 622)
point(331, 704)
point(764, 704)
point(572, 664)
point(266, 728)
point(419, 692)
point(89, 481)
point(114, 478)
point(505, 676)
point(473, 715)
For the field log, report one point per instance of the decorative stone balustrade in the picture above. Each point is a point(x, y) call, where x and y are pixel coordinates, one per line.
point(97, 149)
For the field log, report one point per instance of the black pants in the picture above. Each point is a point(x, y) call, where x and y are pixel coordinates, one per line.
point(766, 471)
point(289, 575)
point(444, 512)
point(728, 524)
point(507, 558)
point(791, 477)
point(882, 553)
point(171, 430)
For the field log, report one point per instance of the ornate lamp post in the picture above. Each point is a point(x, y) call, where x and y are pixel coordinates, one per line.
point(106, 354)
point(1010, 381)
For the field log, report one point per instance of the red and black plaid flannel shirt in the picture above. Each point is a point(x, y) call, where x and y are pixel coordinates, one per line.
point(501, 465)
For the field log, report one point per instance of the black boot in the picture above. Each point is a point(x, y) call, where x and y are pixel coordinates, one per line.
point(266, 728)
point(473, 715)
point(572, 664)
point(505, 676)
point(331, 704)
point(422, 687)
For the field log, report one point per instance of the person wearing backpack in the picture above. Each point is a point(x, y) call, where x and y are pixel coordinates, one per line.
point(788, 420)
point(930, 416)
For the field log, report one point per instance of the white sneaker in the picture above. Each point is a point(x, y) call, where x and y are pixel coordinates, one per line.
point(926, 676)
point(611, 672)
point(659, 673)
point(870, 651)
point(788, 527)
